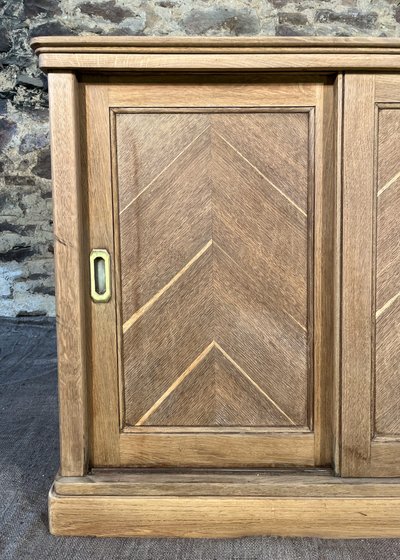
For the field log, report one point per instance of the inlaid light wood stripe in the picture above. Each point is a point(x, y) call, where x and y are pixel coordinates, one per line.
point(127, 325)
point(174, 385)
point(387, 305)
point(247, 274)
point(237, 366)
point(389, 183)
point(164, 170)
point(263, 176)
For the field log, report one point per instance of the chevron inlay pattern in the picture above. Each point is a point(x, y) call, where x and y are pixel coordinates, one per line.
point(387, 410)
point(214, 266)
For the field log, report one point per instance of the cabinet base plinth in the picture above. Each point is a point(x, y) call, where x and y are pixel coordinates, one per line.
point(306, 505)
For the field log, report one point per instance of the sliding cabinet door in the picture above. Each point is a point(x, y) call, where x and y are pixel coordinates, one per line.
point(371, 277)
point(215, 348)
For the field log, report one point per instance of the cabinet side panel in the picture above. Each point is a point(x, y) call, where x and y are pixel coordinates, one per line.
point(63, 91)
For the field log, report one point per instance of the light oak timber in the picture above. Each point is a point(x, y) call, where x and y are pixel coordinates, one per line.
point(240, 482)
point(323, 244)
point(216, 449)
point(103, 351)
point(370, 347)
point(223, 516)
point(233, 92)
point(166, 44)
point(243, 89)
point(183, 62)
point(349, 419)
point(69, 248)
point(133, 53)
point(358, 264)
point(337, 275)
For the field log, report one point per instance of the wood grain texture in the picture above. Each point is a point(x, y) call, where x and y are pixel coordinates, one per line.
point(371, 280)
point(211, 187)
point(208, 44)
point(281, 93)
point(162, 225)
point(323, 350)
point(228, 398)
point(70, 278)
point(235, 90)
point(337, 278)
point(167, 338)
point(221, 61)
point(223, 516)
point(102, 317)
point(240, 482)
point(358, 264)
point(217, 450)
point(387, 362)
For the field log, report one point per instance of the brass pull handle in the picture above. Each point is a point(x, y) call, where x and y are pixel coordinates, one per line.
point(100, 278)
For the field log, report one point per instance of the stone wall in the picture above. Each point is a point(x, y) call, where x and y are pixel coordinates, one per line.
point(26, 245)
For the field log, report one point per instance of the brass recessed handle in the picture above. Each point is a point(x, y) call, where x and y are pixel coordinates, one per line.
point(100, 277)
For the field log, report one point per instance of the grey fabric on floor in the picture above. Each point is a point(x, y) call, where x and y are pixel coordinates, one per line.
point(28, 462)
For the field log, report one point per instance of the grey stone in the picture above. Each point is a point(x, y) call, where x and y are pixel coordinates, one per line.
point(43, 165)
point(5, 40)
point(15, 180)
point(51, 28)
point(292, 18)
point(34, 8)
point(166, 4)
point(237, 22)
point(106, 10)
point(354, 18)
point(18, 253)
point(25, 194)
point(30, 81)
point(22, 230)
point(285, 30)
point(46, 290)
point(7, 130)
point(34, 313)
point(33, 141)
point(279, 3)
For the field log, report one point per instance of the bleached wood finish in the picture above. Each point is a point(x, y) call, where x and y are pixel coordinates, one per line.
point(351, 405)
point(104, 426)
point(202, 516)
point(371, 278)
point(268, 482)
point(387, 388)
point(236, 45)
point(208, 247)
point(69, 249)
point(216, 449)
point(245, 94)
point(357, 290)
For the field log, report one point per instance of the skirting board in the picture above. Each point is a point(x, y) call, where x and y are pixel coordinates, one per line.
point(367, 508)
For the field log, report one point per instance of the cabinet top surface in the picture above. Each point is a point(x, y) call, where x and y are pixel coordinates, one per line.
point(217, 53)
point(100, 43)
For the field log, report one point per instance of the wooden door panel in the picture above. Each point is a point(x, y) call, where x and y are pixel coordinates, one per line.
point(371, 374)
point(213, 196)
point(216, 286)
point(387, 310)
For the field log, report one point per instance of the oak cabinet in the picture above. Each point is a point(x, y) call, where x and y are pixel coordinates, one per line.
point(228, 283)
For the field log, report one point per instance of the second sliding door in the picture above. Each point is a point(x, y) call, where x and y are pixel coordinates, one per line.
point(215, 349)
point(371, 276)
